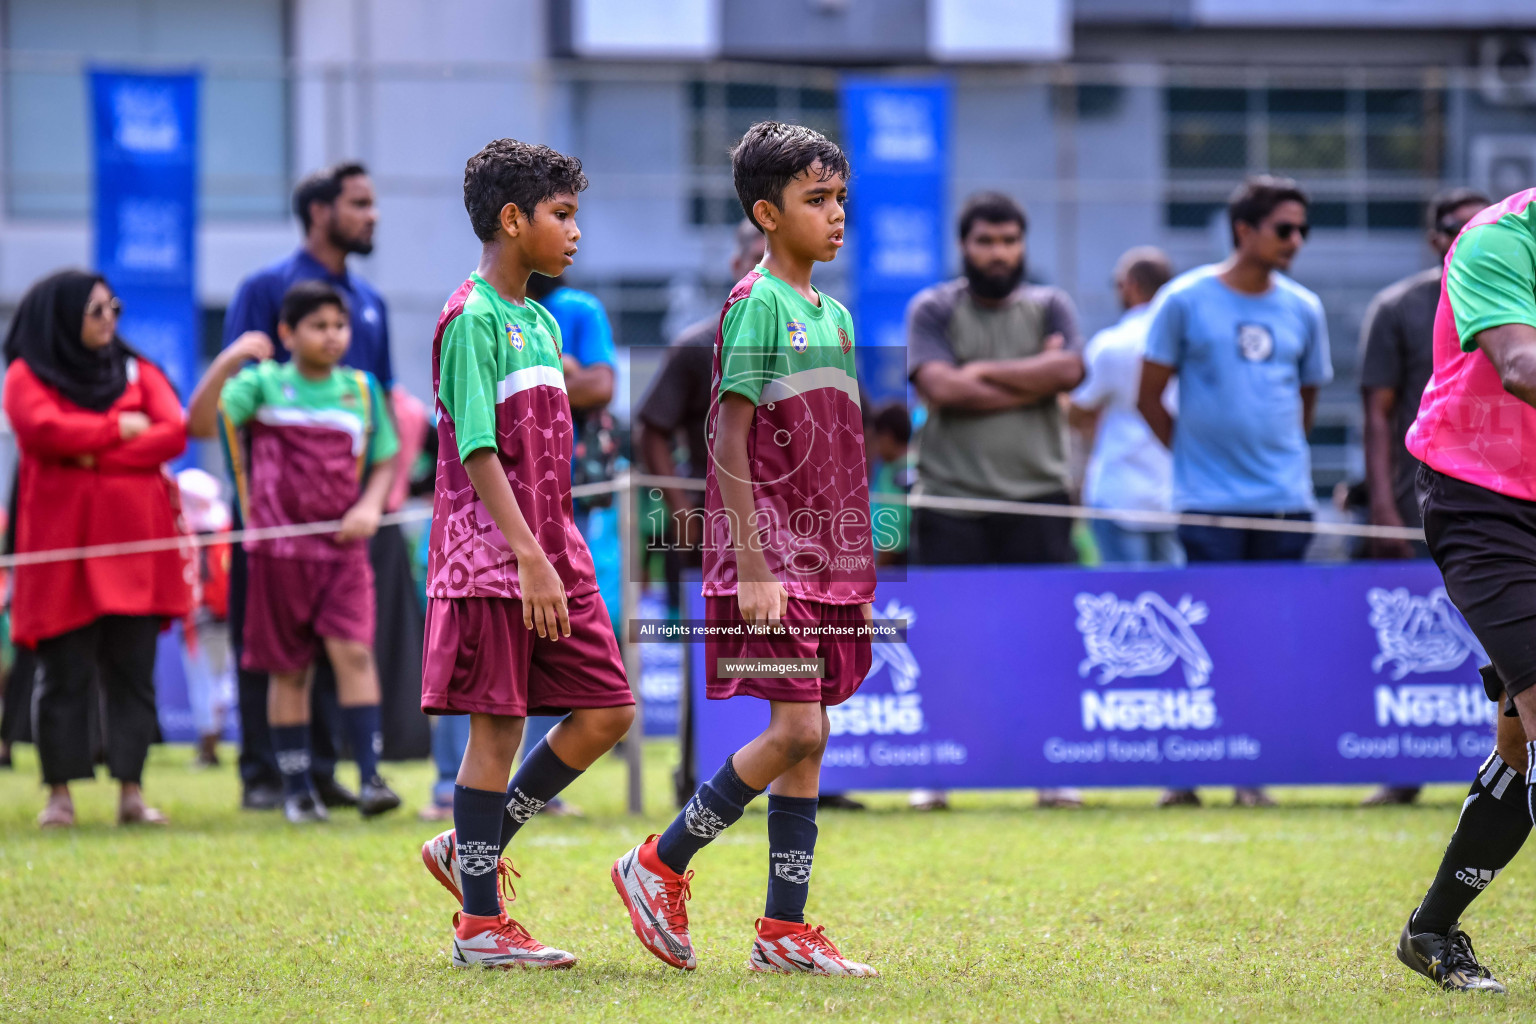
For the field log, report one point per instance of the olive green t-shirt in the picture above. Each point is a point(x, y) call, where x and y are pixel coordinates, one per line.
point(1014, 454)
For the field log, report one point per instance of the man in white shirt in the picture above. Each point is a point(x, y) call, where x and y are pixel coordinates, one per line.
point(1129, 468)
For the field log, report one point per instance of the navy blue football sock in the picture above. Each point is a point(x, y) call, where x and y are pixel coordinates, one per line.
point(716, 805)
point(367, 741)
point(477, 815)
point(791, 844)
point(540, 777)
point(291, 745)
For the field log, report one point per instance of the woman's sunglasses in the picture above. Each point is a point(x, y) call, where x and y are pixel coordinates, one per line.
point(99, 310)
point(1284, 230)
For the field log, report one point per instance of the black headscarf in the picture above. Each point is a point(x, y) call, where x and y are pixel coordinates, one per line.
point(45, 334)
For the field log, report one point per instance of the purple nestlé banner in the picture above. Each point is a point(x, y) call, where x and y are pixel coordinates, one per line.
point(1222, 675)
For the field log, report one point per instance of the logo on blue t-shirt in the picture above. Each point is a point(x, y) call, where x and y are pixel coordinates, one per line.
point(797, 337)
point(1255, 342)
point(515, 336)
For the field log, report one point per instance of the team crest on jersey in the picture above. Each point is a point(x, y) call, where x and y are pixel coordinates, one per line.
point(843, 340)
point(348, 398)
point(797, 336)
point(515, 336)
point(288, 393)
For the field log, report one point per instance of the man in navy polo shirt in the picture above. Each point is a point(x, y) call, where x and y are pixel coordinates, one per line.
point(336, 208)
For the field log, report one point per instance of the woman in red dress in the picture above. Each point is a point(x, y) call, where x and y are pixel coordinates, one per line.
point(95, 424)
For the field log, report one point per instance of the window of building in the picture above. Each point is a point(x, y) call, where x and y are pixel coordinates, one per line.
point(721, 112)
point(243, 106)
point(1367, 156)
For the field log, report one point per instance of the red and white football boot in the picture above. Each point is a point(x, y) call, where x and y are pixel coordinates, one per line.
point(787, 947)
point(657, 900)
point(501, 943)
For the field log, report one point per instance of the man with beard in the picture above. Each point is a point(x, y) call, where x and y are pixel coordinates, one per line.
point(990, 356)
point(336, 208)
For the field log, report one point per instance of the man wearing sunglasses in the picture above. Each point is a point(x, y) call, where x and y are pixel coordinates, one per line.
point(1396, 356)
point(1250, 348)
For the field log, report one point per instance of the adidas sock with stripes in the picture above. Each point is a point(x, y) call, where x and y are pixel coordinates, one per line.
point(1495, 819)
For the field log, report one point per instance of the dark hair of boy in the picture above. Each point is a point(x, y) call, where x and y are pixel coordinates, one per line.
point(1257, 197)
point(322, 186)
point(893, 420)
point(306, 297)
point(1450, 200)
point(772, 154)
point(992, 208)
point(520, 173)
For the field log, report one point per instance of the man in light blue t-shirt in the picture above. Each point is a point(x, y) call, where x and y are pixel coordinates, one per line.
point(1250, 348)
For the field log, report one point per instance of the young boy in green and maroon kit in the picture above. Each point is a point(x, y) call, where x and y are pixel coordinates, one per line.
point(787, 442)
point(515, 624)
point(309, 441)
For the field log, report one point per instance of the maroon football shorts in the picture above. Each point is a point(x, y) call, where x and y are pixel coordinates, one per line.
point(479, 657)
point(291, 604)
point(845, 650)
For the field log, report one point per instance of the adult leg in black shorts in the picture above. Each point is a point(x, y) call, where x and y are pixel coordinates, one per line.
point(1485, 546)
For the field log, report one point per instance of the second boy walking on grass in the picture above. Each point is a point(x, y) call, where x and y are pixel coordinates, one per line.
point(788, 540)
point(309, 441)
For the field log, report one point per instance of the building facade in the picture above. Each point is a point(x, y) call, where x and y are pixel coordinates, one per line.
point(1116, 122)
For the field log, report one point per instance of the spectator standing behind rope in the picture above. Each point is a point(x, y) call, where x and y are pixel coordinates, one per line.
point(990, 355)
point(1250, 347)
point(1396, 359)
point(95, 424)
point(335, 207)
point(1129, 468)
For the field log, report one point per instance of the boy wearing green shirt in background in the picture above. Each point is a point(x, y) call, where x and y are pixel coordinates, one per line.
point(309, 441)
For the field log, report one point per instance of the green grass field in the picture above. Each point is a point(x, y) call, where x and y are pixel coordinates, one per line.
point(993, 911)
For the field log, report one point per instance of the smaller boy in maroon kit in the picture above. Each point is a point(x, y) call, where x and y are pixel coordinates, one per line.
point(788, 460)
point(309, 441)
point(505, 560)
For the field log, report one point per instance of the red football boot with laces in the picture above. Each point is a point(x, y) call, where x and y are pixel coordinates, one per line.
point(500, 942)
point(787, 947)
point(657, 900)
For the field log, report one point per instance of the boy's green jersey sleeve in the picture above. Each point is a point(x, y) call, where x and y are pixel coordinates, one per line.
point(385, 442)
point(241, 395)
point(466, 364)
point(1490, 279)
point(749, 356)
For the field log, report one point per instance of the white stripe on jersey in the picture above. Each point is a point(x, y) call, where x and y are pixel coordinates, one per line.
point(348, 423)
point(527, 378)
point(802, 381)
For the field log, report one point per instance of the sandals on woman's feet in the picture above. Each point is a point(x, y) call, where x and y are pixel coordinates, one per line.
point(141, 815)
point(56, 816)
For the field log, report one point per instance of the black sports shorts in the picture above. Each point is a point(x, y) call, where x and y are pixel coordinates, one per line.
point(1485, 545)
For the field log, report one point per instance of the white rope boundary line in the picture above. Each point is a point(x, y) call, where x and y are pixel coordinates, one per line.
point(627, 479)
point(1034, 508)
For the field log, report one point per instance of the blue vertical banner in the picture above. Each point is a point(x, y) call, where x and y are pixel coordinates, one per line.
point(897, 138)
point(146, 211)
